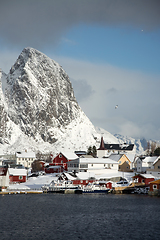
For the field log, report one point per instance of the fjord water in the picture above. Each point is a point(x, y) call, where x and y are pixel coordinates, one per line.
point(56, 216)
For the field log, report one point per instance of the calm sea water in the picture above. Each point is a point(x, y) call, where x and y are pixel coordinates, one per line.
point(56, 216)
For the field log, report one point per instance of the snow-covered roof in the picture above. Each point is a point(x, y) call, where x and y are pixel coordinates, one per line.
point(149, 159)
point(70, 155)
point(130, 156)
point(17, 172)
point(115, 157)
point(97, 161)
point(156, 160)
point(69, 176)
point(144, 175)
point(85, 175)
point(25, 154)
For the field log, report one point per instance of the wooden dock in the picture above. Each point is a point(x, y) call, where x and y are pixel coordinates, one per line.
point(21, 192)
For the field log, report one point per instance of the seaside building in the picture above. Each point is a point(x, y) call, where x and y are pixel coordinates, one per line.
point(106, 149)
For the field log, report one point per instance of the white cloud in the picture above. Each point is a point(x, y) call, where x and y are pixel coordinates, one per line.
point(136, 93)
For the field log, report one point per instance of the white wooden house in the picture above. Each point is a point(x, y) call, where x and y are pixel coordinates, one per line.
point(92, 165)
point(25, 158)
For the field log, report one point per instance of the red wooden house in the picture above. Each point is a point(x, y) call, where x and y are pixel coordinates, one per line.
point(75, 180)
point(155, 185)
point(62, 158)
point(143, 179)
point(17, 175)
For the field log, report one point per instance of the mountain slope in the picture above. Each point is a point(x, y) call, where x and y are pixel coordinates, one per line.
point(41, 106)
point(39, 110)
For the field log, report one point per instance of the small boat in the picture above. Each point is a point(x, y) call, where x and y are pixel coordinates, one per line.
point(95, 188)
point(61, 187)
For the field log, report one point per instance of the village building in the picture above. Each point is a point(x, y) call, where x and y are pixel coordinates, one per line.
point(142, 179)
point(148, 164)
point(105, 149)
point(25, 158)
point(4, 177)
point(62, 159)
point(17, 175)
point(96, 165)
point(154, 186)
point(155, 168)
point(125, 161)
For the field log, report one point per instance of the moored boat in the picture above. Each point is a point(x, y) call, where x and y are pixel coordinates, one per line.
point(95, 188)
point(61, 187)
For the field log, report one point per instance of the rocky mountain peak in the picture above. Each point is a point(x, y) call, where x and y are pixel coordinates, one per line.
point(39, 111)
point(39, 95)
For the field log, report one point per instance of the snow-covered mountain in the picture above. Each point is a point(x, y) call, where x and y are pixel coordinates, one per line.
point(39, 111)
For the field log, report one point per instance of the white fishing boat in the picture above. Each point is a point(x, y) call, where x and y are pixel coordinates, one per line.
point(61, 186)
point(95, 188)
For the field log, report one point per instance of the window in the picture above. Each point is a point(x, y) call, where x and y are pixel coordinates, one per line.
point(60, 155)
point(158, 167)
point(143, 181)
point(154, 186)
point(61, 161)
point(91, 165)
point(83, 165)
point(20, 177)
point(104, 165)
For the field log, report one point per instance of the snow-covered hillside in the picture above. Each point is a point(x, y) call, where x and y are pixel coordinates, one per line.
point(39, 110)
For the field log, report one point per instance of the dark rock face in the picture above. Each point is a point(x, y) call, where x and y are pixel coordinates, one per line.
point(39, 95)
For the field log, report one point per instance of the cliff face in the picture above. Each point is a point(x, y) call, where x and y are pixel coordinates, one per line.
point(40, 95)
point(38, 109)
point(37, 100)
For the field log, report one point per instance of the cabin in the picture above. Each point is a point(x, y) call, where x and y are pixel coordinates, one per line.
point(17, 175)
point(62, 159)
point(155, 185)
point(142, 179)
point(25, 158)
point(105, 149)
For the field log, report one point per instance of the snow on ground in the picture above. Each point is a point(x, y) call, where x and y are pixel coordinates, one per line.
point(34, 183)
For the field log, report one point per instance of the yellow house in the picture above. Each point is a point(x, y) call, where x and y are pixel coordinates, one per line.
point(156, 164)
point(124, 162)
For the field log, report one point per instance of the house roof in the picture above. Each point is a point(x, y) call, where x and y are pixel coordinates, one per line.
point(119, 147)
point(158, 158)
point(157, 181)
point(86, 156)
point(70, 155)
point(17, 171)
point(149, 159)
point(97, 161)
point(115, 157)
point(130, 156)
point(25, 155)
point(144, 176)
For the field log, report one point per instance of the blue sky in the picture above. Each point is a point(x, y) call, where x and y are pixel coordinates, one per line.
point(110, 49)
point(125, 47)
